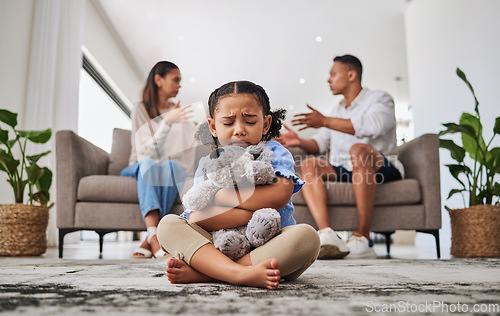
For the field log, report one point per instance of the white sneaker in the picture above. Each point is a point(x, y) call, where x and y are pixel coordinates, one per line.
point(360, 248)
point(332, 247)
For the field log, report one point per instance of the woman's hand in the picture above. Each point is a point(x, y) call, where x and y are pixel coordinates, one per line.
point(314, 119)
point(178, 114)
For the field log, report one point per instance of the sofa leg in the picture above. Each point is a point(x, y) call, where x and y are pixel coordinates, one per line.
point(62, 233)
point(435, 233)
point(387, 236)
point(101, 234)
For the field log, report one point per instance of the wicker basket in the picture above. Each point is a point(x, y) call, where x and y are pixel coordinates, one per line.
point(475, 231)
point(23, 229)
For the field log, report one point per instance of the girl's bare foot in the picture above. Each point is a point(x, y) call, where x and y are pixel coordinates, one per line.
point(264, 275)
point(179, 272)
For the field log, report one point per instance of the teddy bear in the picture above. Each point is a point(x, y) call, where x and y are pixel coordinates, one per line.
point(232, 166)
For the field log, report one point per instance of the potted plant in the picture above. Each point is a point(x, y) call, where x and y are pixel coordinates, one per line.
point(23, 226)
point(476, 228)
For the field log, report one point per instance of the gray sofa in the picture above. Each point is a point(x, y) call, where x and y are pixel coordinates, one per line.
point(92, 196)
point(410, 204)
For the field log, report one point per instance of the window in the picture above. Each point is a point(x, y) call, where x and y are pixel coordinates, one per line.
point(100, 110)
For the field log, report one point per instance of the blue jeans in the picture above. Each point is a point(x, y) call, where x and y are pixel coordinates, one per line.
point(157, 184)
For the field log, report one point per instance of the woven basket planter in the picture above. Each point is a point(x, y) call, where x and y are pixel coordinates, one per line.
point(475, 232)
point(23, 229)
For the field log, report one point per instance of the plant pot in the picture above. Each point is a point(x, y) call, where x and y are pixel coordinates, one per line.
point(23, 229)
point(475, 231)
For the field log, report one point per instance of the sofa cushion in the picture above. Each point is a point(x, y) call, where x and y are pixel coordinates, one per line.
point(393, 193)
point(120, 151)
point(115, 189)
point(102, 188)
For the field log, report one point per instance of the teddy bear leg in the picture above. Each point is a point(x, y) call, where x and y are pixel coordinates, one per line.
point(264, 225)
point(231, 242)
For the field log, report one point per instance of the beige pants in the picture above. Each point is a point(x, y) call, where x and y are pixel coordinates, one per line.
point(295, 248)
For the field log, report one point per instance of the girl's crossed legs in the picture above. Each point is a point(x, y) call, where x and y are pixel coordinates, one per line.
point(294, 250)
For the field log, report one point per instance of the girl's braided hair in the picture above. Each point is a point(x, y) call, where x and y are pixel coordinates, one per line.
point(241, 87)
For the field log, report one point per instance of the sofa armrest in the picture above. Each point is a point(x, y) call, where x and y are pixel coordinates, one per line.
point(420, 158)
point(75, 159)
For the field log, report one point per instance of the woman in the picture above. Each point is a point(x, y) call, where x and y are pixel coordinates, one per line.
point(160, 129)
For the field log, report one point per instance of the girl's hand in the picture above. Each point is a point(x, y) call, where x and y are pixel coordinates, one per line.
point(178, 114)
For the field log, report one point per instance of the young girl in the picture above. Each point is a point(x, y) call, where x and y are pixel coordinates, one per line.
point(240, 114)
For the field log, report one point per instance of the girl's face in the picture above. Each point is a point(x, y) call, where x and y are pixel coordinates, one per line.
point(168, 85)
point(239, 120)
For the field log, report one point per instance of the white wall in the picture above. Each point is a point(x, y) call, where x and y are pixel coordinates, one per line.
point(272, 43)
point(441, 36)
point(101, 41)
point(15, 34)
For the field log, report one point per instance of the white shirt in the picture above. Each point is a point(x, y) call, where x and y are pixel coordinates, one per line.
point(372, 116)
point(154, 139)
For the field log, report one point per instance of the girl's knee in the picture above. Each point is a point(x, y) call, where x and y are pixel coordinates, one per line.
point(166, 224)
point(307, 236)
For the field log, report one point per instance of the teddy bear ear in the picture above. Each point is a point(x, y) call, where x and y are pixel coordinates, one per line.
point(216, 153)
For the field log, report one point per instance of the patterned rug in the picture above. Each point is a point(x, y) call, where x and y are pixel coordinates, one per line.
point(344, 287)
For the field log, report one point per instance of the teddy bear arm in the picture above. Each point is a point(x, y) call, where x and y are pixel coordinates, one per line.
point(200, 195)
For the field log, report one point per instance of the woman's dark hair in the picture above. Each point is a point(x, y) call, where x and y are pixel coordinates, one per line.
point(150, 91)
point(244, 87)
point(351, 61)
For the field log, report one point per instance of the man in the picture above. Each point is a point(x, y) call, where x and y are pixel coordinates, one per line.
point(361, 135)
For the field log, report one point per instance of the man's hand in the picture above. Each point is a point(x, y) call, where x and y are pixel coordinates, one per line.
point(178, 114)
point(289, 139)
point(314, 119)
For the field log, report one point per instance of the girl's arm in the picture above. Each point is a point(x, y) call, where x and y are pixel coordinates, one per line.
point(252, 198)
point(235, 207)
point(213, 218)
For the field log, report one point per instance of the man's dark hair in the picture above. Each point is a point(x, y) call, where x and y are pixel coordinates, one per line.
point(352, 61)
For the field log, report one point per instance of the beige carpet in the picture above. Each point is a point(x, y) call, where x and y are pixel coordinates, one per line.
point(41, 286)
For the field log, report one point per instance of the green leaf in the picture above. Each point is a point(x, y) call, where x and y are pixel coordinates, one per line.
point(452, 128)
point(496, 189)
point(485, 196)
point(455, 191)
point(493, 163)
point(456, 170)
point(43, 186)
point(457, 152)
point(11, 143)
point(45, 181)
point(462, 76)
point(39, 137)
point(496, 128)
point(8, 118)
point(34, 173)
point(34, 158)
point(474, 145)
point(4, 136)
point(7, 163)
point(42, 197)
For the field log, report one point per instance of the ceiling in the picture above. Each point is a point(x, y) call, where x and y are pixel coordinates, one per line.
point(285, 46)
